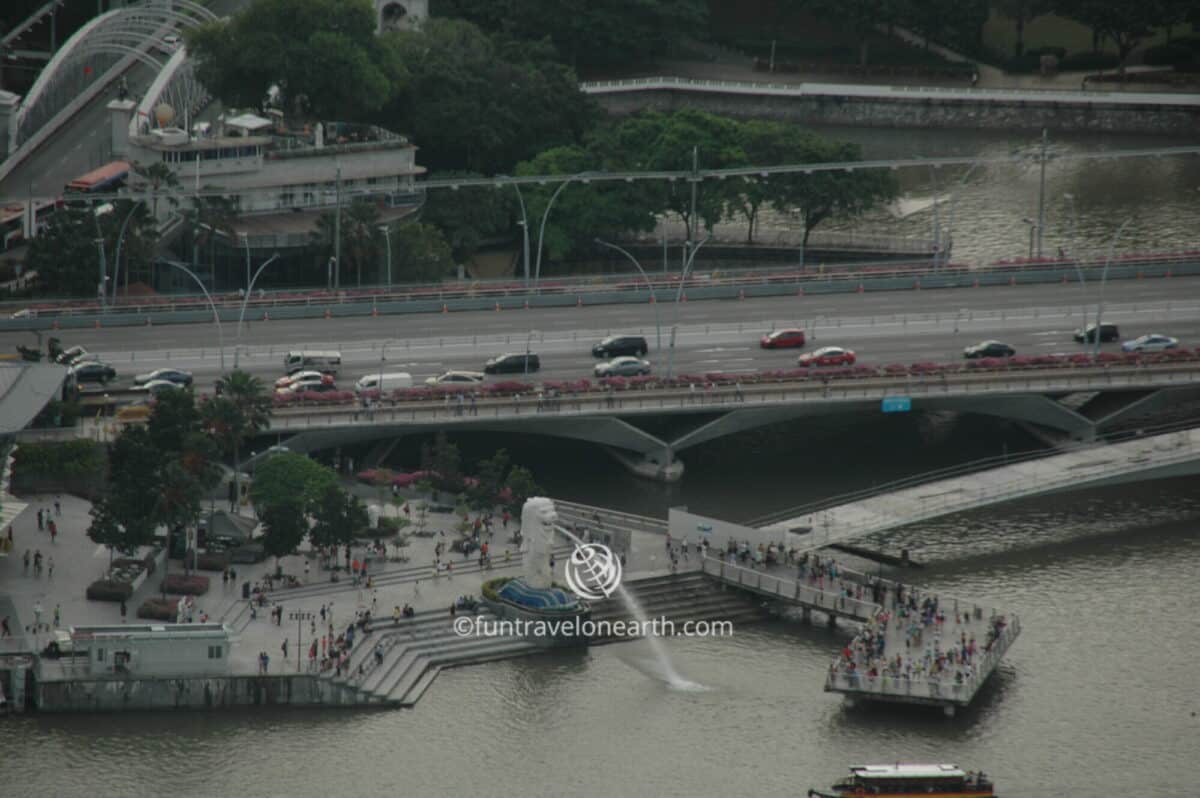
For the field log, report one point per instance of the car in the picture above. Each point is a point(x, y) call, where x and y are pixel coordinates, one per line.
point(93, 372)
point(155, 387)
point(311, 376)
point(780, 339)
point(69, 357)
point(1108, 332)
point(615, 345)
point(623, 367)
point(1151, 343)
point(177, 376)
point(989, 349)
point(522, 363)
point(325, 383)
point(827, 356)
point(456, 378)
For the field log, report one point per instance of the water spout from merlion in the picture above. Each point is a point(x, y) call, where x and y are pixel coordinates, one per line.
point(539, 520)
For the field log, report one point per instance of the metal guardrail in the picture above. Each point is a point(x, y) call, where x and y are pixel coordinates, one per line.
point(815, 324)
point(789, 590)
point(588, 288)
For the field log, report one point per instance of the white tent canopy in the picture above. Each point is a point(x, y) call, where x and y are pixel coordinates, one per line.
point(248, 122)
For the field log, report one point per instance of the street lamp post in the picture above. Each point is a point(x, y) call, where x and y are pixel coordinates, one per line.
point(1041, 223)
point(537, 270)
point(1075, 258)
point(101, 284)
point(678, 295)
point(649, 286)
point(528, 344)
point(387, 237)
point(937, 219)
point(1104, 281)
point(1033, 226)
point(524, 223)
point(237, 346)
point(117, 259)
point(211, 304)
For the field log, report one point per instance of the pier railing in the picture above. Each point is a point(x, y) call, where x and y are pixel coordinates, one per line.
point(789, 590)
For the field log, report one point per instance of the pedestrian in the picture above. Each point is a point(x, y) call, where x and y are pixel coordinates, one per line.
point(50, 569)
point(453, 610)
point(122, 610)
point(57, 507)
point(225, 578)
point(284, 647)
point(57, 615)
point(974, 79)
point(41, 522)
point(26, 561)
point(53, 527)
point(416, 587)
point(5, 629)
point(37, 562)
point(10, 537)
point(306, 571)
point(322, 613)
point(449, 570)
point(37, 616)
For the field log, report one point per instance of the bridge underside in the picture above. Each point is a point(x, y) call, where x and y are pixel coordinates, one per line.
point(654, 454)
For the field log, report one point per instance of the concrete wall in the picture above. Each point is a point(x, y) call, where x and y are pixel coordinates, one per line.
point(108, 695)
point(913, 113)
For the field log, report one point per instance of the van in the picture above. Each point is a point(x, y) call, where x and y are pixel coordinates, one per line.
point(324, 362)
point(1108, 332)
point(384, 382)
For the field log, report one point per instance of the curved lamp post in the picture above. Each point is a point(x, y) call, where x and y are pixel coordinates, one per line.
point(237, 345)
point(537, 271)
point(525, 231)
point(117, 258)
point(678, 295)
point(1075, 258)
point(211, 304)
point(1103, 282)
point(649, 285)
point(962, 181)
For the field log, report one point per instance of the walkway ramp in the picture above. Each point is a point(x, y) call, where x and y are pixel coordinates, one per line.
point(1169, 454)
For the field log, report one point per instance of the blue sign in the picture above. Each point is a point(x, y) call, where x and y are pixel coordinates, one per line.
point(897, 404)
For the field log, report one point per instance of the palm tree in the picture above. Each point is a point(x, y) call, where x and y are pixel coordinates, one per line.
point(240, 410)
point(158, 175)
point(209, 218)
point(360, 234)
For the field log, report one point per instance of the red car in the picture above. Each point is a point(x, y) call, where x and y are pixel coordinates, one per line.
point(827, 356)
point(781, 339)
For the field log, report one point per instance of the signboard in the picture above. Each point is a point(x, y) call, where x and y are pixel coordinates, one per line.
point(897, 404)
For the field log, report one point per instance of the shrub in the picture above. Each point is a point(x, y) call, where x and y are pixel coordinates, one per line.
point(192, 585)
point(159, 609)
point(77, 467)
point(210, 561)
point(389, 525)
point(490, 589)
point(1173, 54)
point(1029, 62)
point(108, 590)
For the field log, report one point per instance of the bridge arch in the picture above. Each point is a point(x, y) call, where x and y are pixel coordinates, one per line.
point(88, 59)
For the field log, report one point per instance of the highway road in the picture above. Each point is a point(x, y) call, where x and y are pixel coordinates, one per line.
point(712, 336)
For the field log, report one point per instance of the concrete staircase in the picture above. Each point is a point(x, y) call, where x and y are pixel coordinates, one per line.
point(688, 596)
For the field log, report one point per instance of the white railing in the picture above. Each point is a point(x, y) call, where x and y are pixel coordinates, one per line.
point(830, 601)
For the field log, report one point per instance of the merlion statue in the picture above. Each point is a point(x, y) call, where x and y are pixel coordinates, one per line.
point(538, 519)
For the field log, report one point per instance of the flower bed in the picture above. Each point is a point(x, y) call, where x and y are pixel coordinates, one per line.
point(210, 561)
point(159, 609)
point(109, 590)
point(180, 584)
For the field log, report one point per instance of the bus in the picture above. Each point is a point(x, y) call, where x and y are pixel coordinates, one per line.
point(108, 177)
point(12, 221)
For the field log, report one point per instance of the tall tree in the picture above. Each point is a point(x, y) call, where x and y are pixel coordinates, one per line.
point(127, 516)
point(322, 54)
point(158, 177)
point(521, 485)
point(420, 253)
point(337, 517)
point(859, 16)
point(471, 215)
point(1021, 12)
point(241, 410)
point(284, 526)
point(1125, 22)
point(361, 238)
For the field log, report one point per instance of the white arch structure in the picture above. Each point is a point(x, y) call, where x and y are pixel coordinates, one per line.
point(95, 56)
point(176, 85)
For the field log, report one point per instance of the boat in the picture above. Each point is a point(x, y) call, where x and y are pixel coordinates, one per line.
point(909, 781)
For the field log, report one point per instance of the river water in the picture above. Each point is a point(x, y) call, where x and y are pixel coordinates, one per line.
point(1160, 195)
point(1096, 698)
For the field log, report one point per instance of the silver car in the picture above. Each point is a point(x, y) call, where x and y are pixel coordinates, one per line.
point(1151, 343)
point(623, 367)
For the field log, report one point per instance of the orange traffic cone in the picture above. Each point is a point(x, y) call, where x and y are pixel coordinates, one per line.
point(976, 283)
point(685, 297)
point(579, 302)
point(800, 291)
point(527, 304)
point(328, 314)
point(1064, 279)
point(97, 324)
point(917, 285)
point(266, 316)
point(497, 307)
point(861, 289)
point(1168, 274)
point(1012, 280)
point(1139, 275)
point(653, 300)
point(54, 324)
point(741, 295)
point(375, 311)
point(444, 308)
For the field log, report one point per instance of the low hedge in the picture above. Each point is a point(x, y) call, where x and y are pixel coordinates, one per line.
point(491, 588)
point(187, 585)
point(107, 590)
point(210, 561)
point(159, 609)
point(1088, 60)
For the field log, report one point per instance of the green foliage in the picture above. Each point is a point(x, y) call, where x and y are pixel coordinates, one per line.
point(338, 517)
point(420, 253)
point(522, 485)
point(287, 478)
point(1124, 22)
point(323, 54)
point(285, 526)
point(361, 238)
point(483, 103)
point(443, 461)
point(471, 215)
point(589, 33)
point(491, 588)
point(66, 255)
point(491, 473)
point(77, 466)
point(129, 513)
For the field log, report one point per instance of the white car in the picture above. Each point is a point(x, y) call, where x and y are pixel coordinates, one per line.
point(1150, 343)
point(626, 366)
point(456, 378)
point(309, 377)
